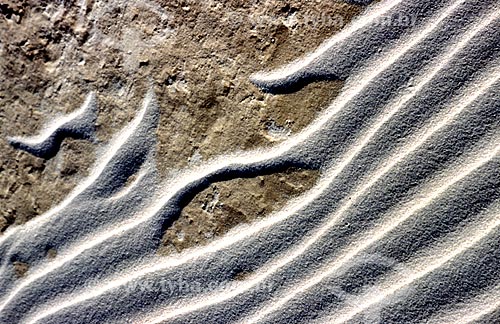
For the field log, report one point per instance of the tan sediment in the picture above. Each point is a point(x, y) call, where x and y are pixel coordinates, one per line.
point(198, 57)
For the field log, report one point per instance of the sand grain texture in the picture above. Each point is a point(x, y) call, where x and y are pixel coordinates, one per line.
point(402, 224)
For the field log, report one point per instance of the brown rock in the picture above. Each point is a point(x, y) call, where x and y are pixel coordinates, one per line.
point(198, 55)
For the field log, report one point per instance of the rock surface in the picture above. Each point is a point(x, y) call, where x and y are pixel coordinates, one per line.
point(198, 56)
point(224, 205)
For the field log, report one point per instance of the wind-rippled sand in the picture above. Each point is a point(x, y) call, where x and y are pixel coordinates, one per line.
point(402, 226)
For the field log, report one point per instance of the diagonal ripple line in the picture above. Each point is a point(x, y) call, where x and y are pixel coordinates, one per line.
point(221, 244)
point(121, 138)
point(246, 159)
point(428, 264)
point(425, 137)
point(421, 139)
point(384, 229)
point(114, 147)
point(443, 120)
point(300, 64)
point(485, 308)
point(141, 173)
point(394, 222)
point(472, 310)
point(431, 259)
point(43, 293)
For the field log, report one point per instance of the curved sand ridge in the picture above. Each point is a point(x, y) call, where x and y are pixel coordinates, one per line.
point(401, 227)
point(79, 124)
